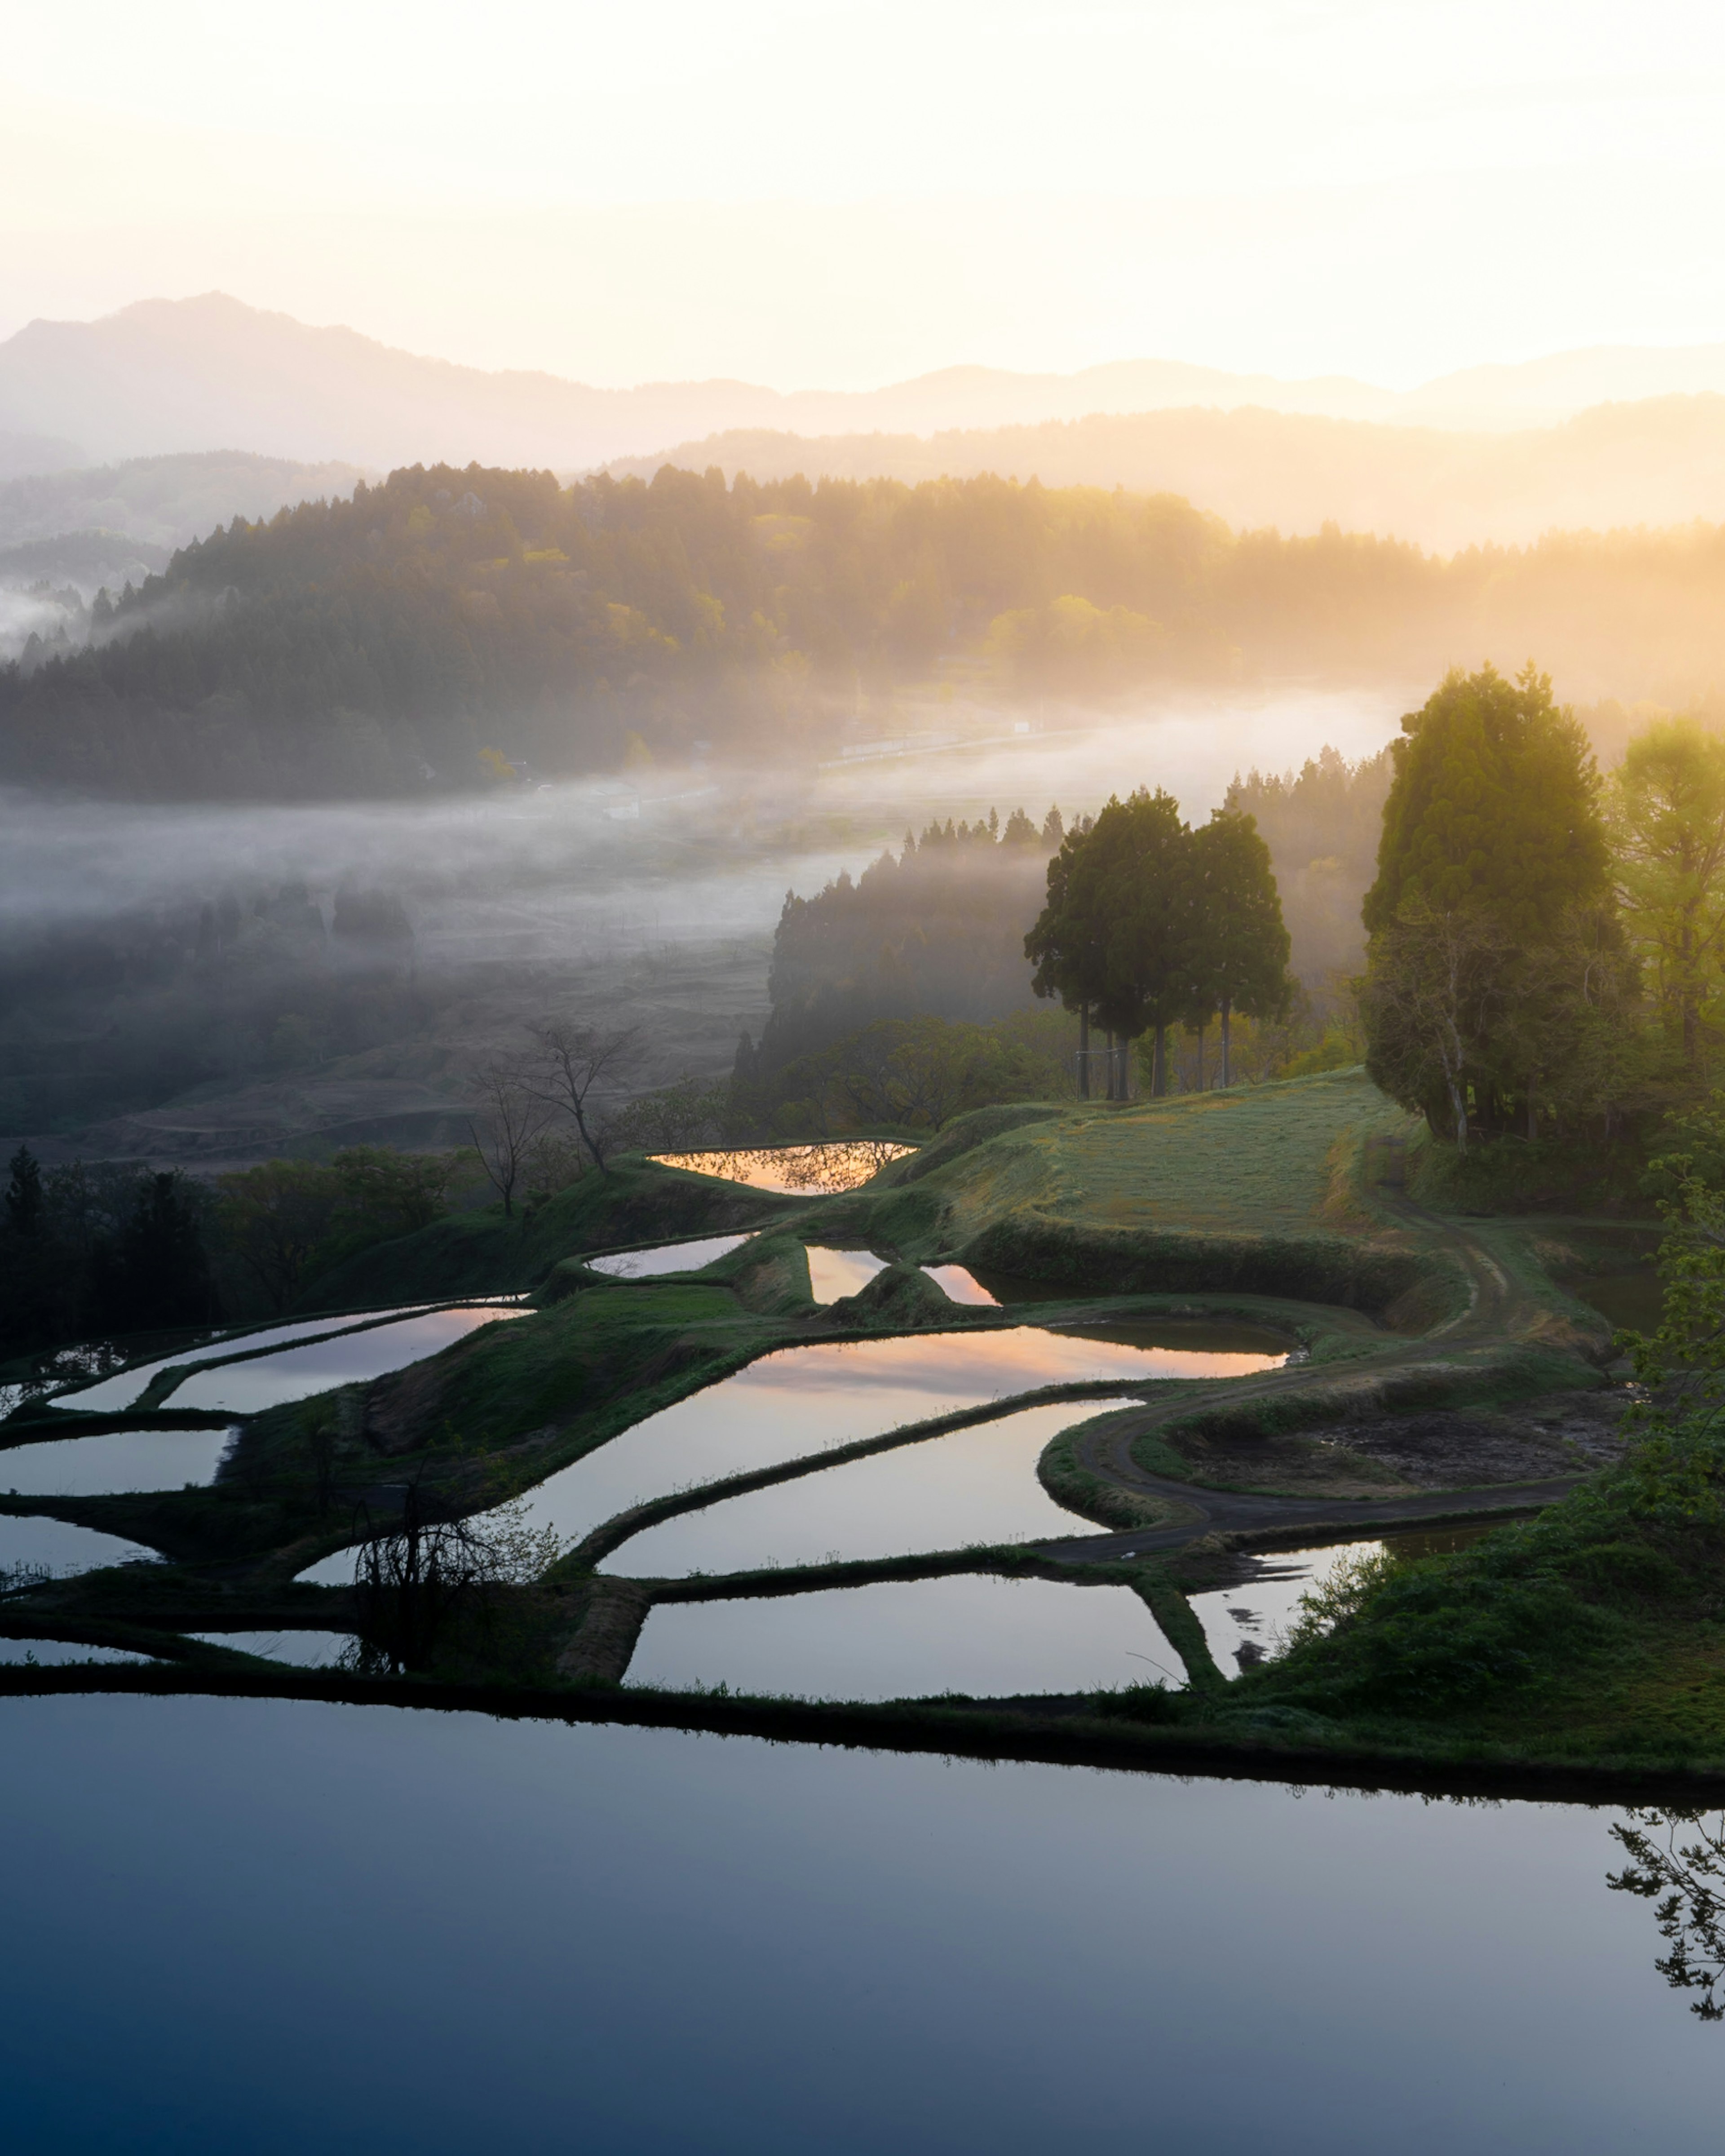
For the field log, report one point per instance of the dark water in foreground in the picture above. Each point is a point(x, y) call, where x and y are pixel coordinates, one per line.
point(265, 1926)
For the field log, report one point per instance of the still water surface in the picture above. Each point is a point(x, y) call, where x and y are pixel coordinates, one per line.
point(841, 1164)
point(905, 1639)
point(960, 1285)
point(835, 1273)
point(63, 1549)
point(121, 1390)
point(808, 1399)
point(972, 1485)
point(275, 1926)
point(350, 1359)
point(109, 1466)
point(667, 1257)
point(310, 1650)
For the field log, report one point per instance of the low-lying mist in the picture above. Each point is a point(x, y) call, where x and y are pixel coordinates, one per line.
point(192, 965)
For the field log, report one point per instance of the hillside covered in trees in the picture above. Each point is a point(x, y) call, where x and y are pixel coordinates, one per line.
point(384, 643)
point(936, 930)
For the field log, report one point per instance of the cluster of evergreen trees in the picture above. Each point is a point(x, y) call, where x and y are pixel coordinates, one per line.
point(936, 930)
point(381, 644)
point(113, 1248)
point(1150, 925)
point(1321, 825)
point(86, 1250)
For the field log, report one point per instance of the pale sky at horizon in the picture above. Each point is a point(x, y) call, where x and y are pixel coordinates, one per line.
point(832, 195)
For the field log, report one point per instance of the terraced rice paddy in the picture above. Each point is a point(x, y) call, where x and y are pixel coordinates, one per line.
point(845, 1164)
point(348, 1358)
point(976, 1485)
point(905, 1639)
point(119, 1461)
point(687, 1257)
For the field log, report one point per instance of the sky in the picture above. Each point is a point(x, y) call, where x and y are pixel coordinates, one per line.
point(828, 194)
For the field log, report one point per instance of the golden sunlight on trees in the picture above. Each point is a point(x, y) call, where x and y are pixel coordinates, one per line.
point(1666, 810)
point(1149, 925)
point(1498, 974)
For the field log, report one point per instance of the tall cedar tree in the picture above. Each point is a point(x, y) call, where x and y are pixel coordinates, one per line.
point(1667, 811)
point(1118, 937)
point(155, 1273)
point(1495, 805)
point(1144, 866)
point(1065, 944)
point(1241, 952)
point(1492, 824)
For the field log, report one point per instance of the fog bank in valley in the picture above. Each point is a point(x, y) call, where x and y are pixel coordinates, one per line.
point(175, 982)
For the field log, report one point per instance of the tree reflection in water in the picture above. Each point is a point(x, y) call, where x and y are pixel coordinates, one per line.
point(1691, 1916)
point(823, 1169)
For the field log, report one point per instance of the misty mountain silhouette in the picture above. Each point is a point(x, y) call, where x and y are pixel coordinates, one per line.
point(1659, 462)
point(213, 373)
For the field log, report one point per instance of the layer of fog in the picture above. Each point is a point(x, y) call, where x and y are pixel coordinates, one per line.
point(657, 859)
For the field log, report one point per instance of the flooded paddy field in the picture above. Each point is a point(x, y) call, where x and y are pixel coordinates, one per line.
point(976, 1485)
point(802, 1400)
point(277, 1913)
point(905, 1639)
point(292, 1374)
point(112, 1463)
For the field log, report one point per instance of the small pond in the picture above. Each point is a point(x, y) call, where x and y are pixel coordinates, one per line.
point(114, 1463)
point(903, 1639)
point(59, 1548)
point(667, 1257)
point(120, 1391)
point(1621, 1280)
point(834, 1274)
point(845, 1164)
point(1247, 1623)
point(347, 1358)
point(971, 1486)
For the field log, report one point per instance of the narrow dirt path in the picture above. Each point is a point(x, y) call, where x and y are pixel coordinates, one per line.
point(1498, 1310)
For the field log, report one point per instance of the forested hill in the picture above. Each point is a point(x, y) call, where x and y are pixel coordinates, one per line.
point(382, 644)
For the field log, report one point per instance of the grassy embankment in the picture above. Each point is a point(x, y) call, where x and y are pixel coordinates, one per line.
point(1254, 1205)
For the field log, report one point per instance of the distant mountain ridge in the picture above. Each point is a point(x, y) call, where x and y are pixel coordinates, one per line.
point(1660, 462)
point(163, 502)
point(168, 376)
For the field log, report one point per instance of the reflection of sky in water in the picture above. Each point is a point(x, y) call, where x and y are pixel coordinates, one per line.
point(249, 1910)
point(667, 1257)
point(960, 1285)
point(800, 1400)
point(843, 1165)
point(835, 1273)
point(61, 1547)
point(120, 1391)
point(900, 1639)
point(247, 1387)
point(305, 1650)
point(973, 1486)
point(110, 1465)
point(1254, 1613)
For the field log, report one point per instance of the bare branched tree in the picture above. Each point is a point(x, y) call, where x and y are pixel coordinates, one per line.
point(580, 1071)
point(511, 1115)
point(416, 1575)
